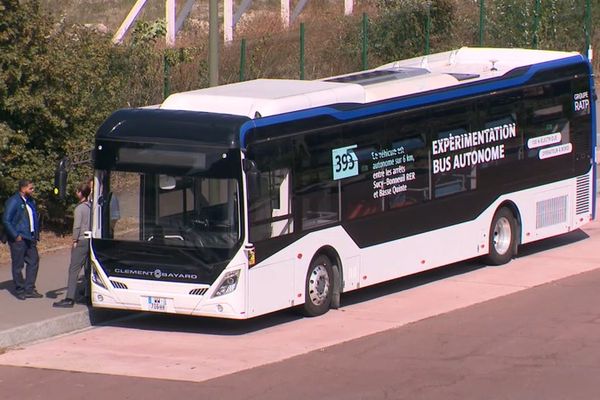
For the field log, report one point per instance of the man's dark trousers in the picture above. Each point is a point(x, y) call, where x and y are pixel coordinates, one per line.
point(24, 254)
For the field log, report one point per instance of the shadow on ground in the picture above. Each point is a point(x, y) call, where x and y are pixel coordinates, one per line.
point(8, 286)
point(225, 327)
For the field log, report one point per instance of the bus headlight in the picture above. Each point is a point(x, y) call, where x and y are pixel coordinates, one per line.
point(96, 278)
point(228, 283)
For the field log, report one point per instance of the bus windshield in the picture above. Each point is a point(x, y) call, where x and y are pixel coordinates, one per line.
point(183, 197)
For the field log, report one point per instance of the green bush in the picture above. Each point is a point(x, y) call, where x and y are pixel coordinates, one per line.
point(556, 25)
point(399, 30)
point(57, 84)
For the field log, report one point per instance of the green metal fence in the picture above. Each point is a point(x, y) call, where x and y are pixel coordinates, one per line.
point(308, 50)
point(550, 24)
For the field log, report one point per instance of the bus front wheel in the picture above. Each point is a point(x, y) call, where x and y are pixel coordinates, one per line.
point(502, 238)
point(319, 287)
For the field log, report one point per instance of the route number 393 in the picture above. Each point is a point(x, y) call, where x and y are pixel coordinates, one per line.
point(344, 162)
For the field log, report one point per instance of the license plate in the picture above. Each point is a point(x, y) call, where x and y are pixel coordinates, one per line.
point(157, 303)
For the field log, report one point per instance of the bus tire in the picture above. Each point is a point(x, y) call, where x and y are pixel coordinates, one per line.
point(502, 237)
point(319, 287)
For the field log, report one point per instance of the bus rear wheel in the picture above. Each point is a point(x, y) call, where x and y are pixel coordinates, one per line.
point(502, 238)
point(319, 287)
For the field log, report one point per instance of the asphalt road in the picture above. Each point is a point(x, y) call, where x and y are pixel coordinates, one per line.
point(542, 343)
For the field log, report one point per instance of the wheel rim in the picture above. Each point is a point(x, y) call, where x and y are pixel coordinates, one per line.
point(318, 285)
point(502, 235)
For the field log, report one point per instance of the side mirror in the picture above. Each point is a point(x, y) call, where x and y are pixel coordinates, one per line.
point(166, 182)
point(249, 165)
point(60, 179)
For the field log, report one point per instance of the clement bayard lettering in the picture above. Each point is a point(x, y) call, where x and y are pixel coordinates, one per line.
point(157, 274)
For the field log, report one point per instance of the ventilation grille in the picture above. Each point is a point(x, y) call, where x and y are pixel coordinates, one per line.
point(582, 201)
point(551, 212)
point(198, 292)
point(118, 285)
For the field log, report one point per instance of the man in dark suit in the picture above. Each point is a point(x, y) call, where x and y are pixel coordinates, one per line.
point(20, 222)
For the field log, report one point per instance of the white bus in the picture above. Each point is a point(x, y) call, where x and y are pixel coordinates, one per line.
point(243, 199)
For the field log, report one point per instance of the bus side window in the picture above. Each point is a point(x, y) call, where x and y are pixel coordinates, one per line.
point(453, 177)
point(546, 125)
point(413, 171)
point(546, 115)
point(453, 171)
point(268, 178)
point(358, 199)
point(270, 206)
point(316, 193)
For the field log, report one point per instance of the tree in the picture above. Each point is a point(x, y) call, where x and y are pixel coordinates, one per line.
point(398, 32)
point(57, 83)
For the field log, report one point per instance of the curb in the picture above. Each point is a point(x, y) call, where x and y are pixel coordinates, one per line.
point(55, 326)
point(45, 329)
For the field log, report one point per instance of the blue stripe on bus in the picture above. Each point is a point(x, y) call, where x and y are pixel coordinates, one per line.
point(366, 110)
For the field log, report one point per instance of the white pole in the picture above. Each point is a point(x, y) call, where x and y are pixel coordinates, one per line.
point(228, 20)
point(170, 16)
point(213, 43)
point(183, 15)
point(348, 7)
point(285, 13)
point(133, 13)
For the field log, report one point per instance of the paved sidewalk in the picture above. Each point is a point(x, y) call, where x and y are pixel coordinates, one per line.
point(29, 320)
